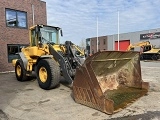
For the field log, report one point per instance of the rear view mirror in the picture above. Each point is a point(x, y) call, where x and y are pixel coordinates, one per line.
point(61, 32)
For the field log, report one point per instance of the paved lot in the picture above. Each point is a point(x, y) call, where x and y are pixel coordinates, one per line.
point(26, 101)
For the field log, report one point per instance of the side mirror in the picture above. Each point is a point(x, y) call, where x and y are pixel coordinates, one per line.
point(37, 30)
point(61, 32)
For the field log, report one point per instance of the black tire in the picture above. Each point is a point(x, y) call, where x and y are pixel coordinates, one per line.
point(141, 57)
point(154, 57)
point(50, 74)
point(20, 71)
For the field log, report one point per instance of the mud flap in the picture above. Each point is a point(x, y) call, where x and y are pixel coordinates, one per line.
point(109, 81)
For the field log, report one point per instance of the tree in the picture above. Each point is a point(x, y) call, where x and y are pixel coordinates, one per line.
point(82, 44)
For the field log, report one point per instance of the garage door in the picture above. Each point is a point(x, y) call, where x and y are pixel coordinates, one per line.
point(123, 44)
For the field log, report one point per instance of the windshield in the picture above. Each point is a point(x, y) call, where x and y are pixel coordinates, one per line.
point(49, 34)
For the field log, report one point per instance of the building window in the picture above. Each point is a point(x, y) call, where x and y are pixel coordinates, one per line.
point(98, 42)
point(16, 18)
point(12, 50)
point(104, 41)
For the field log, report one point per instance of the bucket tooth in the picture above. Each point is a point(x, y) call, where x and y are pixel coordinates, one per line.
point(109, 81)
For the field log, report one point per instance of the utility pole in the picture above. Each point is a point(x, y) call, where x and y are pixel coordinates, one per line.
point(97, 34)
point(118, 30)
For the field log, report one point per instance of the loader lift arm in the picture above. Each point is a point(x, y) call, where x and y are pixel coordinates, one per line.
point(139, 44)
point(65, 66)
point(68, 61)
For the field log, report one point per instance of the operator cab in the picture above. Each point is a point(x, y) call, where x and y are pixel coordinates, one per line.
point(41, 34)
point(147, 48)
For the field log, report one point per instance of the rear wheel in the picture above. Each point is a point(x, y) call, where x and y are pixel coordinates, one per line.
point(48, 73)
point(20, 71)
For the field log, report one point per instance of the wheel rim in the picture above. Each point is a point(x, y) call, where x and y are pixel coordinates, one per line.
point(18, 70)
point(43, 74)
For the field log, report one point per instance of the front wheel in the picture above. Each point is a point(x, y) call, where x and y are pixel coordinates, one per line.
point(48, 74)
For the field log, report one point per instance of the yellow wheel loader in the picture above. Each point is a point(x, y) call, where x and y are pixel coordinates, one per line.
point(107, 81)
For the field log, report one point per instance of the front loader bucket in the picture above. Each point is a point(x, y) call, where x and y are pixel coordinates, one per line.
point(109, 81)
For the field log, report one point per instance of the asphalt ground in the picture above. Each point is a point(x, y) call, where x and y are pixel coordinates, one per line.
point(27, 101)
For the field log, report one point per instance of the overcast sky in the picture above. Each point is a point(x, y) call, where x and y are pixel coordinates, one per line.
point(78, 18)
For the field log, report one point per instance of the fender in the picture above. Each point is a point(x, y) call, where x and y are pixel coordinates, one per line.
point(24, 59)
